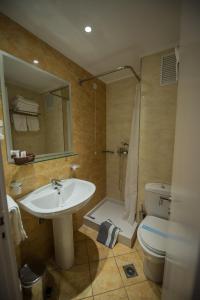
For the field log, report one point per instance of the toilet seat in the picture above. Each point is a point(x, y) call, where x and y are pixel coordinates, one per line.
point(152, 235)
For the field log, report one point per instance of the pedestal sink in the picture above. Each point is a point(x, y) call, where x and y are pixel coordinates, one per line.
point(59, 203)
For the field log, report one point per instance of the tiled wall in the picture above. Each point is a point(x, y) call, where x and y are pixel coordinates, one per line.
point(157, 125)
point(119, 108)
point(19, 42)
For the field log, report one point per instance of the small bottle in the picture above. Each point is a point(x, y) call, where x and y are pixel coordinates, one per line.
point(23, 153)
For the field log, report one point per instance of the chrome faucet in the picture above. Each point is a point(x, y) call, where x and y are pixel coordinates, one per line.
point(56, 183)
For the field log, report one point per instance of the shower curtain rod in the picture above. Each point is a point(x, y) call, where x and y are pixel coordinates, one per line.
point(109, 72)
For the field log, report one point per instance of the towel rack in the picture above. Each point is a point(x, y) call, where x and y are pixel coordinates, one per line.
point(25, 113)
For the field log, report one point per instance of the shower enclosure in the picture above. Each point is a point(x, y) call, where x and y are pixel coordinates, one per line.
point(122, 146)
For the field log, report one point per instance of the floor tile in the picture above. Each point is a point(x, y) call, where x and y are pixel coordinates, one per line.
point(75, 283)
point(53, 279)
point(143, 291)
point(120, 249)
point(141, 254)
point(119, 294)
point(137, 245)
point(79, 236)
point(97, 251)
point(105, 276)
point(157, 286)
point(131, 258)
point(80, 252)
point(85, 232)
point(51, 264)
point(139, 250)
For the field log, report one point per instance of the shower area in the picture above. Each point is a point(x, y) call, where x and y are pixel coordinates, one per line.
point(122, 142)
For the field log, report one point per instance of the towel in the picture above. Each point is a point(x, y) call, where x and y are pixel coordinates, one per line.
point(20, 103)
point(20, 123)
point(27, 276)
point(33, 123)
point(18, 231)
point(108, 234)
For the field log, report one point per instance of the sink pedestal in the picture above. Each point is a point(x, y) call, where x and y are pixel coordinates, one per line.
point(63, 241)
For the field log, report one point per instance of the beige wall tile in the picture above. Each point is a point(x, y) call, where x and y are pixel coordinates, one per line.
point(157, 125)
point(119, 110)
point(22, 44)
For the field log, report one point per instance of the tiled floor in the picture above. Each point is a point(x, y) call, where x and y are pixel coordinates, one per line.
point(98, 273)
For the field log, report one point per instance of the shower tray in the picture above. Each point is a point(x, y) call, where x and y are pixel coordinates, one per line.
point(112, 209)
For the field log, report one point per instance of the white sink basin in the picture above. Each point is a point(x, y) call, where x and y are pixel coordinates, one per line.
point(48, 203)
point(59, 204)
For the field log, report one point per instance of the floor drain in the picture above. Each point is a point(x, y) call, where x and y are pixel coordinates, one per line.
point(130, 271)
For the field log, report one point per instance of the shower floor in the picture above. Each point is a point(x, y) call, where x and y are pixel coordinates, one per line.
point(113, 210)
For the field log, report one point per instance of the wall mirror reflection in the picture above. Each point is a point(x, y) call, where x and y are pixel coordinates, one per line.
point(36, 107)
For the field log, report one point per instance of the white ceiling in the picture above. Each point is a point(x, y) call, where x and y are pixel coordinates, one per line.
point(123, 30)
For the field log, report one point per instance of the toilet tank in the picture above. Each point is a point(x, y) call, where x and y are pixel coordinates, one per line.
point(156, 199)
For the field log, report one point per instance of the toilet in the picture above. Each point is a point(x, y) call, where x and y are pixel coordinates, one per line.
point(153, 230)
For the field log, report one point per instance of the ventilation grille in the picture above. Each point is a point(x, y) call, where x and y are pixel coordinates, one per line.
point(168, 74)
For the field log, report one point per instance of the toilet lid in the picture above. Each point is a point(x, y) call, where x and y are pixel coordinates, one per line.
point(153, 232)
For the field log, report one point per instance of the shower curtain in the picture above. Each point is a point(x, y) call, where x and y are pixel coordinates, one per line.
point(131, 183)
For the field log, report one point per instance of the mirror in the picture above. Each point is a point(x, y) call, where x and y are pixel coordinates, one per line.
point(36, 108)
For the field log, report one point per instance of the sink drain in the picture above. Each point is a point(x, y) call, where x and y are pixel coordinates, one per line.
point(130, 271)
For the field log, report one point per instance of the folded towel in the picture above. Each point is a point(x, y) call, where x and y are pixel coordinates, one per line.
point(26, 108)
point(20, 123)
point(33, 123)
point(20, 103)
point(108, 234)
point(20, 99)
point(18, 231)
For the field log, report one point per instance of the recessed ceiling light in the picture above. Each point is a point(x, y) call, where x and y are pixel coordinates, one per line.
point(88, 28)
point(35, 61)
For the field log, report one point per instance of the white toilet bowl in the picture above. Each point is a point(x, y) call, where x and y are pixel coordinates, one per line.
point(152, 236)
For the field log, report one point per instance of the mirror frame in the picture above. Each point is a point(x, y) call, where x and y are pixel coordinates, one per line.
point(6, 114)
